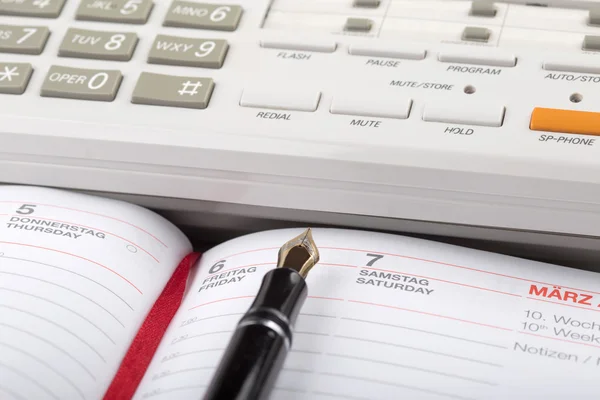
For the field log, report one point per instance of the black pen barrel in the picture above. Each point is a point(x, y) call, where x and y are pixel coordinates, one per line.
point(263, 337)
point(246, 370)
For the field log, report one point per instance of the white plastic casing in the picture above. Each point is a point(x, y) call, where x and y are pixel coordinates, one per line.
point(503, 177)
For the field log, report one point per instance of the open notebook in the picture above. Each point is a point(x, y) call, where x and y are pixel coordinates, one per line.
point(387, 317)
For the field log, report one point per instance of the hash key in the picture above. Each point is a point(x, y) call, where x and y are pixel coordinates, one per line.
point(172, 91)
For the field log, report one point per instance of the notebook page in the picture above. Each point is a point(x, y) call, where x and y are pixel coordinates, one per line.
point(390, 317)
point(78, 274)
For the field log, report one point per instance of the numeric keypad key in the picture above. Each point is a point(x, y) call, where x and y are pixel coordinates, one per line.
point(172, 91)
point(189, 52)
point(83, 84)
point(84, 43)
point(32, 8)
point(220, 17)
point(123, 11)
point(23, 39)
point(14, 77)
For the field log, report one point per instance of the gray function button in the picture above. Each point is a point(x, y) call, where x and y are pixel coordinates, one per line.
point(23, 39)
point(32, 8)
point(366, 3)
point(358, 25)
point(221, 17)
point(14, 77)
point(82, 84)
point(176, 50)
point(483, 8)
point(474, 34)
point(591, 43)
point(123, 11)
point(83, 43)
point(172, 91)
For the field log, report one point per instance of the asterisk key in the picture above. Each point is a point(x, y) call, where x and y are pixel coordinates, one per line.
point(8, 73)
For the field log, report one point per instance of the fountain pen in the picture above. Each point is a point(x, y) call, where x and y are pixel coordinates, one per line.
point(263, 336)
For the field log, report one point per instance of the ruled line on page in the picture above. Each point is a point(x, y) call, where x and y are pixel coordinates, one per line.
point(426, 331)
point(559, 339)
point(324, 298)
point(61, 306)
point(432, 315)
point(30, 379)
point(71, 272)
point(167, 374)
point(310, 333)
point(186, 338)
point(318, 315)
point(289, 389)
point(412, 367)
point(395, 384)
point(54, 346)
point(254, 296)
point(171, 390)
point(338, 395)
point(300, 370)
point(221, 300)
point(45, 364)
point(438, 353)
point(76, 256)
point(58, 326)
point(189, 353)
point(195, 320)
point(67, 289)
point(11, 393)
point(250, 251)
point(304, 351)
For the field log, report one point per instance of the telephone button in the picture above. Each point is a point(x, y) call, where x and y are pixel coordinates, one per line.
point(218, 17)
point(379, 105)
point(565, 121)
point(389, 50)
point(23, 39)
point(321, 45)
point(281, 98)
point(14, 77)
point(465, 112)
point(81, 84)
point(491, 57)
point(583, 64)
point(32, 8)
point(173, 91)
point(119, 11)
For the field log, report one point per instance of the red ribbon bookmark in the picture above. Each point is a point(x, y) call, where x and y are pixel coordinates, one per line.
point(138, 357)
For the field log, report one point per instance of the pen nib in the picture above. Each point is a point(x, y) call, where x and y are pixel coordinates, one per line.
point(299, 254)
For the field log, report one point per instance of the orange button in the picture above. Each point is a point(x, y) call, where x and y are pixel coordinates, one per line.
point(565, 121)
